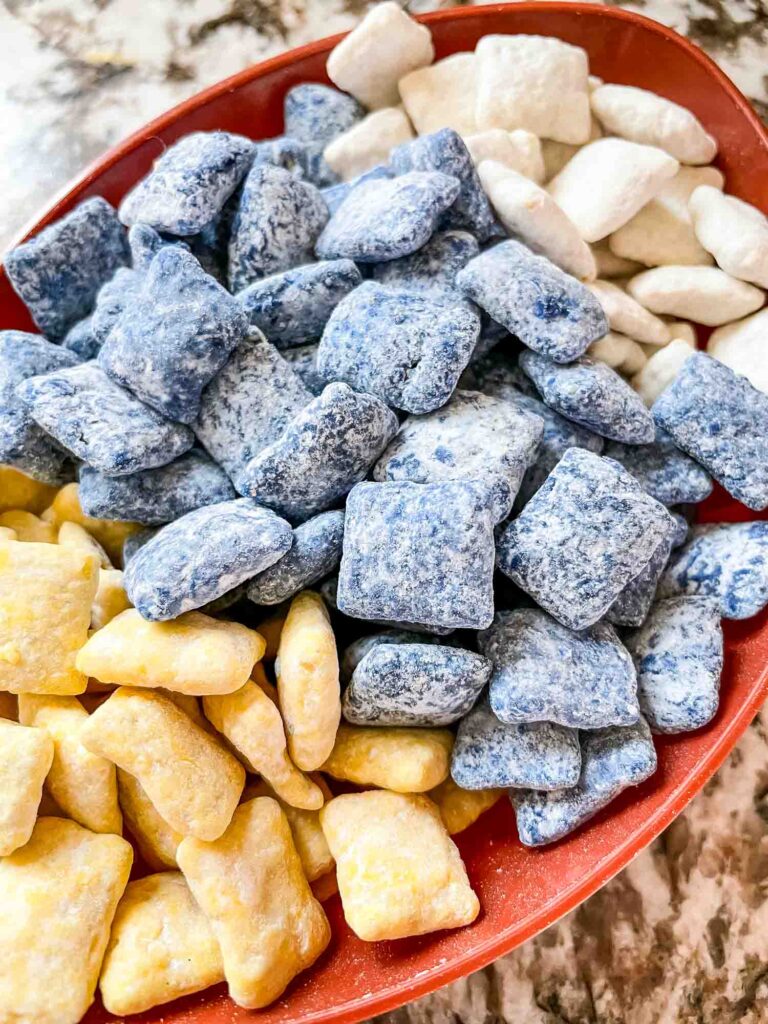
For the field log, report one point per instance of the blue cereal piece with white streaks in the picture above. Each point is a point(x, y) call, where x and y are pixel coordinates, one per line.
point(293, 307)
point(682, 529)
point(498, 373)
point(725, 561)
point(326, 449)
point(612, 760)
point(277, 222)
point(119, 293)
point(23, 444)
point(593, 395)
point(315, 552)
point(248, 405)
point(669, 475)
point(633, 604)
point(491, 334)
point(585, 534)
point(316, 114)
point(720, 420)
point(334, 195)
point(203, 556)
point(472, 437)
point(444, 151)
point(144, 243)
point(134, 542)
point(303, 359)
point(155, 496)
point(354, 653)
point(409, 350)
point(433, 268)
point(80, 339)
point(101, 423)
point(175, 337)
point(543, 671)
point(418, 553)
point(414, 684)
point(679, 657)
point(190, 183)
point(384, 219)
point(58, 273)
point(285, 152)
point(547, 309)
point(488, 753)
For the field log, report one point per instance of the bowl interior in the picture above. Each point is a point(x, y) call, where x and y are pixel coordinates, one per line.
point(521, 891)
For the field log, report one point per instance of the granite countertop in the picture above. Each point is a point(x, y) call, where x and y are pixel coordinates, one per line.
point(682, 934)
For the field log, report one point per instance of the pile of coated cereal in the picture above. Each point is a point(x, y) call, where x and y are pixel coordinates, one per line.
point(432, 352)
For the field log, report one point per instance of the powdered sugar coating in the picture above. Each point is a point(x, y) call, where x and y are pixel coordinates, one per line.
point(316, 114)
point(190, 183)
point(293, 307)
point(80, 340)
point(592, 394)
point(105, 426)
point(432, 268)
point(325, 450)
point(155, 496)
point(725, 561)
point(357, 650)
point(115, 295)
point(303, 359)
point(543, 671)
point(58, 272)
point(585, 534)
point(679, 657)
point(721, 420)
point(489, 753)
point(175, 336)
point(335, 195)
point(612, 760)
point(315, 552)
point(418, 553)
point(633, 603)
point(144, 242)
point(202, 556)
point(662, 470)
point(547, 309)
point(409, 350)
point(413, 684)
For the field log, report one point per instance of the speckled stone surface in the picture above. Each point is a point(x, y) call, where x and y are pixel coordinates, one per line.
point(679, 657)
point(717, 417)
point(324, 451)
point(593, 395)
point(172, 339)
point(726, 561)
point(59, 271)
point(101, 423)
point(432, 268)
point(414, 684)
point(680, 935)
point(409, 349)
point(418, 553)
point(669, 475)
point(292, 308)
point(547, 309)
point(489, 753)
point(315, 552)
point(543, 671)
point(23, 444)
point(190, 183)
point(613, 759)
point(587, 532)
point(472, 437)
point(202, 556)
point(155, 496)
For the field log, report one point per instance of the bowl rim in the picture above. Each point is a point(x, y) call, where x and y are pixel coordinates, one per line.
point(479, 956)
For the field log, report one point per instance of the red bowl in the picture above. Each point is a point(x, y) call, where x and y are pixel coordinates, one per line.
point(521, 891)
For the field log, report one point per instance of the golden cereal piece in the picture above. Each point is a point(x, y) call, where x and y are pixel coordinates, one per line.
point(6, 534)
point(271, 628)
point(192, 781)
point(399, 873)
point(59, 894)
point(82, 784)
point(46, 593)
point(194, 654)
point(9, 706)
point(253, 726)
point(156, 840)
point(190, 706)
point(20, 491)
point(28, 527)
point(404, 760)
point(111, 598)
point(73, 535)
point(25, 757)
point(308, 837)
point(161, 948)
point(307, 670)
point(460, 808)
point(110, 533)
point(252, 888)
